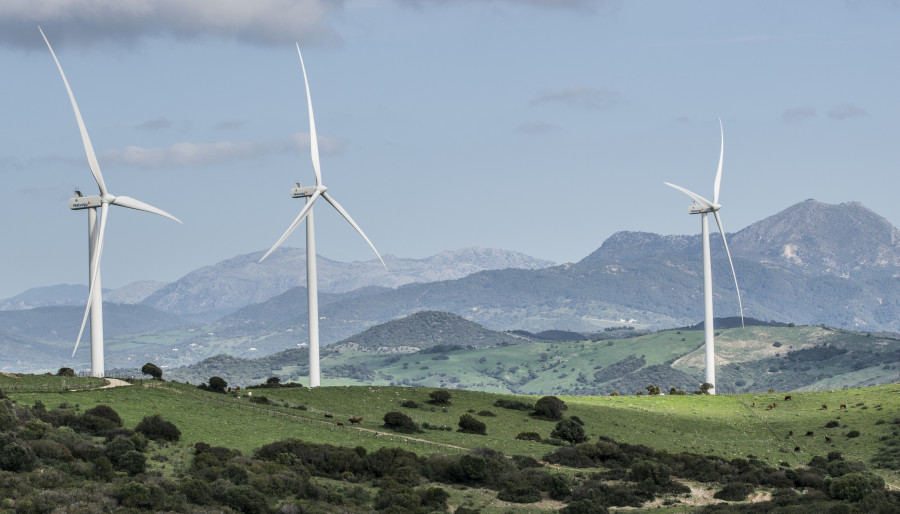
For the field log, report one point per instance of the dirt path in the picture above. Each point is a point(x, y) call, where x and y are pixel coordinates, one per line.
point(114, 382)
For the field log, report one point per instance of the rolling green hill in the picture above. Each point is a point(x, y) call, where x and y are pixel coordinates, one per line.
point(692, 445)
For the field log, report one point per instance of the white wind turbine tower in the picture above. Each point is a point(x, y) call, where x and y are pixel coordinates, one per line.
point(703, 207)
point(312, 193)
point(96, 230)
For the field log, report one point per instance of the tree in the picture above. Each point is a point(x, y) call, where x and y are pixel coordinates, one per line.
point(153, 370)
point(273, 382)
point(569, 430)
point(217, 384)
point(653, 390)
point(550, 408)
point(65, 372)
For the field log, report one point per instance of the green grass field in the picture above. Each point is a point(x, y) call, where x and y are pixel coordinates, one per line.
point(724, 425)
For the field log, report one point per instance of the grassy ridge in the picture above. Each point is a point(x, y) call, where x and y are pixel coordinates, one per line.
point(726, 425)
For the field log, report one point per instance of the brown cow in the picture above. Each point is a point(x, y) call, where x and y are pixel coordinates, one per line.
point(809, 433)
point(340, 424)
point(790, 433)
point(827, 439)
point(788, 397)
point(329, 416)
point(824, 406)
point(843, 405)
point(355, 420)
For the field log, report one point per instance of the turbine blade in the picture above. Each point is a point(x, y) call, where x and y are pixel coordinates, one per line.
point(718, 183)
point(95, 268)
point(88, 148)
point(347, 217)
point(728, 252)
point(699, 199)
point(303, 213)
point(313, 139)
point(131, 203)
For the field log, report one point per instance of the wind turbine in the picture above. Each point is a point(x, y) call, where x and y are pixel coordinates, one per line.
point(96, 229)
point(312, 193)
point(703, 207)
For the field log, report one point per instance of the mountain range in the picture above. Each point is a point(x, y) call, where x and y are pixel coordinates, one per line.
point(810, 264)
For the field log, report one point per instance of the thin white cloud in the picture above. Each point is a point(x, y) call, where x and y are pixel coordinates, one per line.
point(536, 127)
point(230, 124)
point(798, 114)
point(88, 22)
point(157, 124)
point(579, 5)
point(204, 154)
point(580, 96)
point(845, 111)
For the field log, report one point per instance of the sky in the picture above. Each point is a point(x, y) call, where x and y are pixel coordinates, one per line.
point(540, 126)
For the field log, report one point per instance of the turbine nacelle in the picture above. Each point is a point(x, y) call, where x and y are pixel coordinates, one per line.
point(696, 208)
point(85, 202)
point(305, 192)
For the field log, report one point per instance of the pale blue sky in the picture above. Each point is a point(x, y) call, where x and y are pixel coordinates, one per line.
point(539, 126)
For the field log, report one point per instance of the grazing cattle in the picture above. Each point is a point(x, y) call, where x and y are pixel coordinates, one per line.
point(754, 404)
point(788, 397)
point(249, 393)
point(809, 433)
point(774, 404)
point(796, 448)
point(237, 388)
point(340, 424)
point(824, 407)
point(790, 432)
point(329, 416)
point(843, 405)
point(355, 421)
point(827, 439)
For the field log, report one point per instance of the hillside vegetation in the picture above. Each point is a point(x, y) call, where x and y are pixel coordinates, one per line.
point(112, 449)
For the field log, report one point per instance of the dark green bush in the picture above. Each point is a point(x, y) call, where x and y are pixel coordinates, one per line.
point(570, 431)
point(439, 397)
point(513, 405)
point(550, 408)
point(156, 428)
point(734, 492)
point(528, 436)
point(15, 457)
point(133, 462)
point(469, 425)
point(409, 404)
point(855, 486)
point(399, 422)
point(246, 499)
point(105, 412)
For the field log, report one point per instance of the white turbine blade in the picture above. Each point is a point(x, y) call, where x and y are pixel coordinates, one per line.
point(294, 225)
point(95, 268)
point(88, 148)
point(699, 199)
point(131, 203)
point(313, 139)
point(347, 217)
point(721, 158)
point(728, 252)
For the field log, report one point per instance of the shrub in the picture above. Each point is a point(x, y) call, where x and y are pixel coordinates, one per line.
point(486, 413)
point(853, 433)
point(513, 405)
point(469, 425)
point(245, 498)
point(832, 424)
point(439, 397)
point(550, 408)
point(133, 462)
point(399, 422)
point(734, 492)
point(519, 492)
point(528, 436)
point(15, 457)
point(65, 372)
point(569, 430)
point(158, 429)
point(409, 404)
point(105, 412)
point(854, 486)
point(117, 448)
